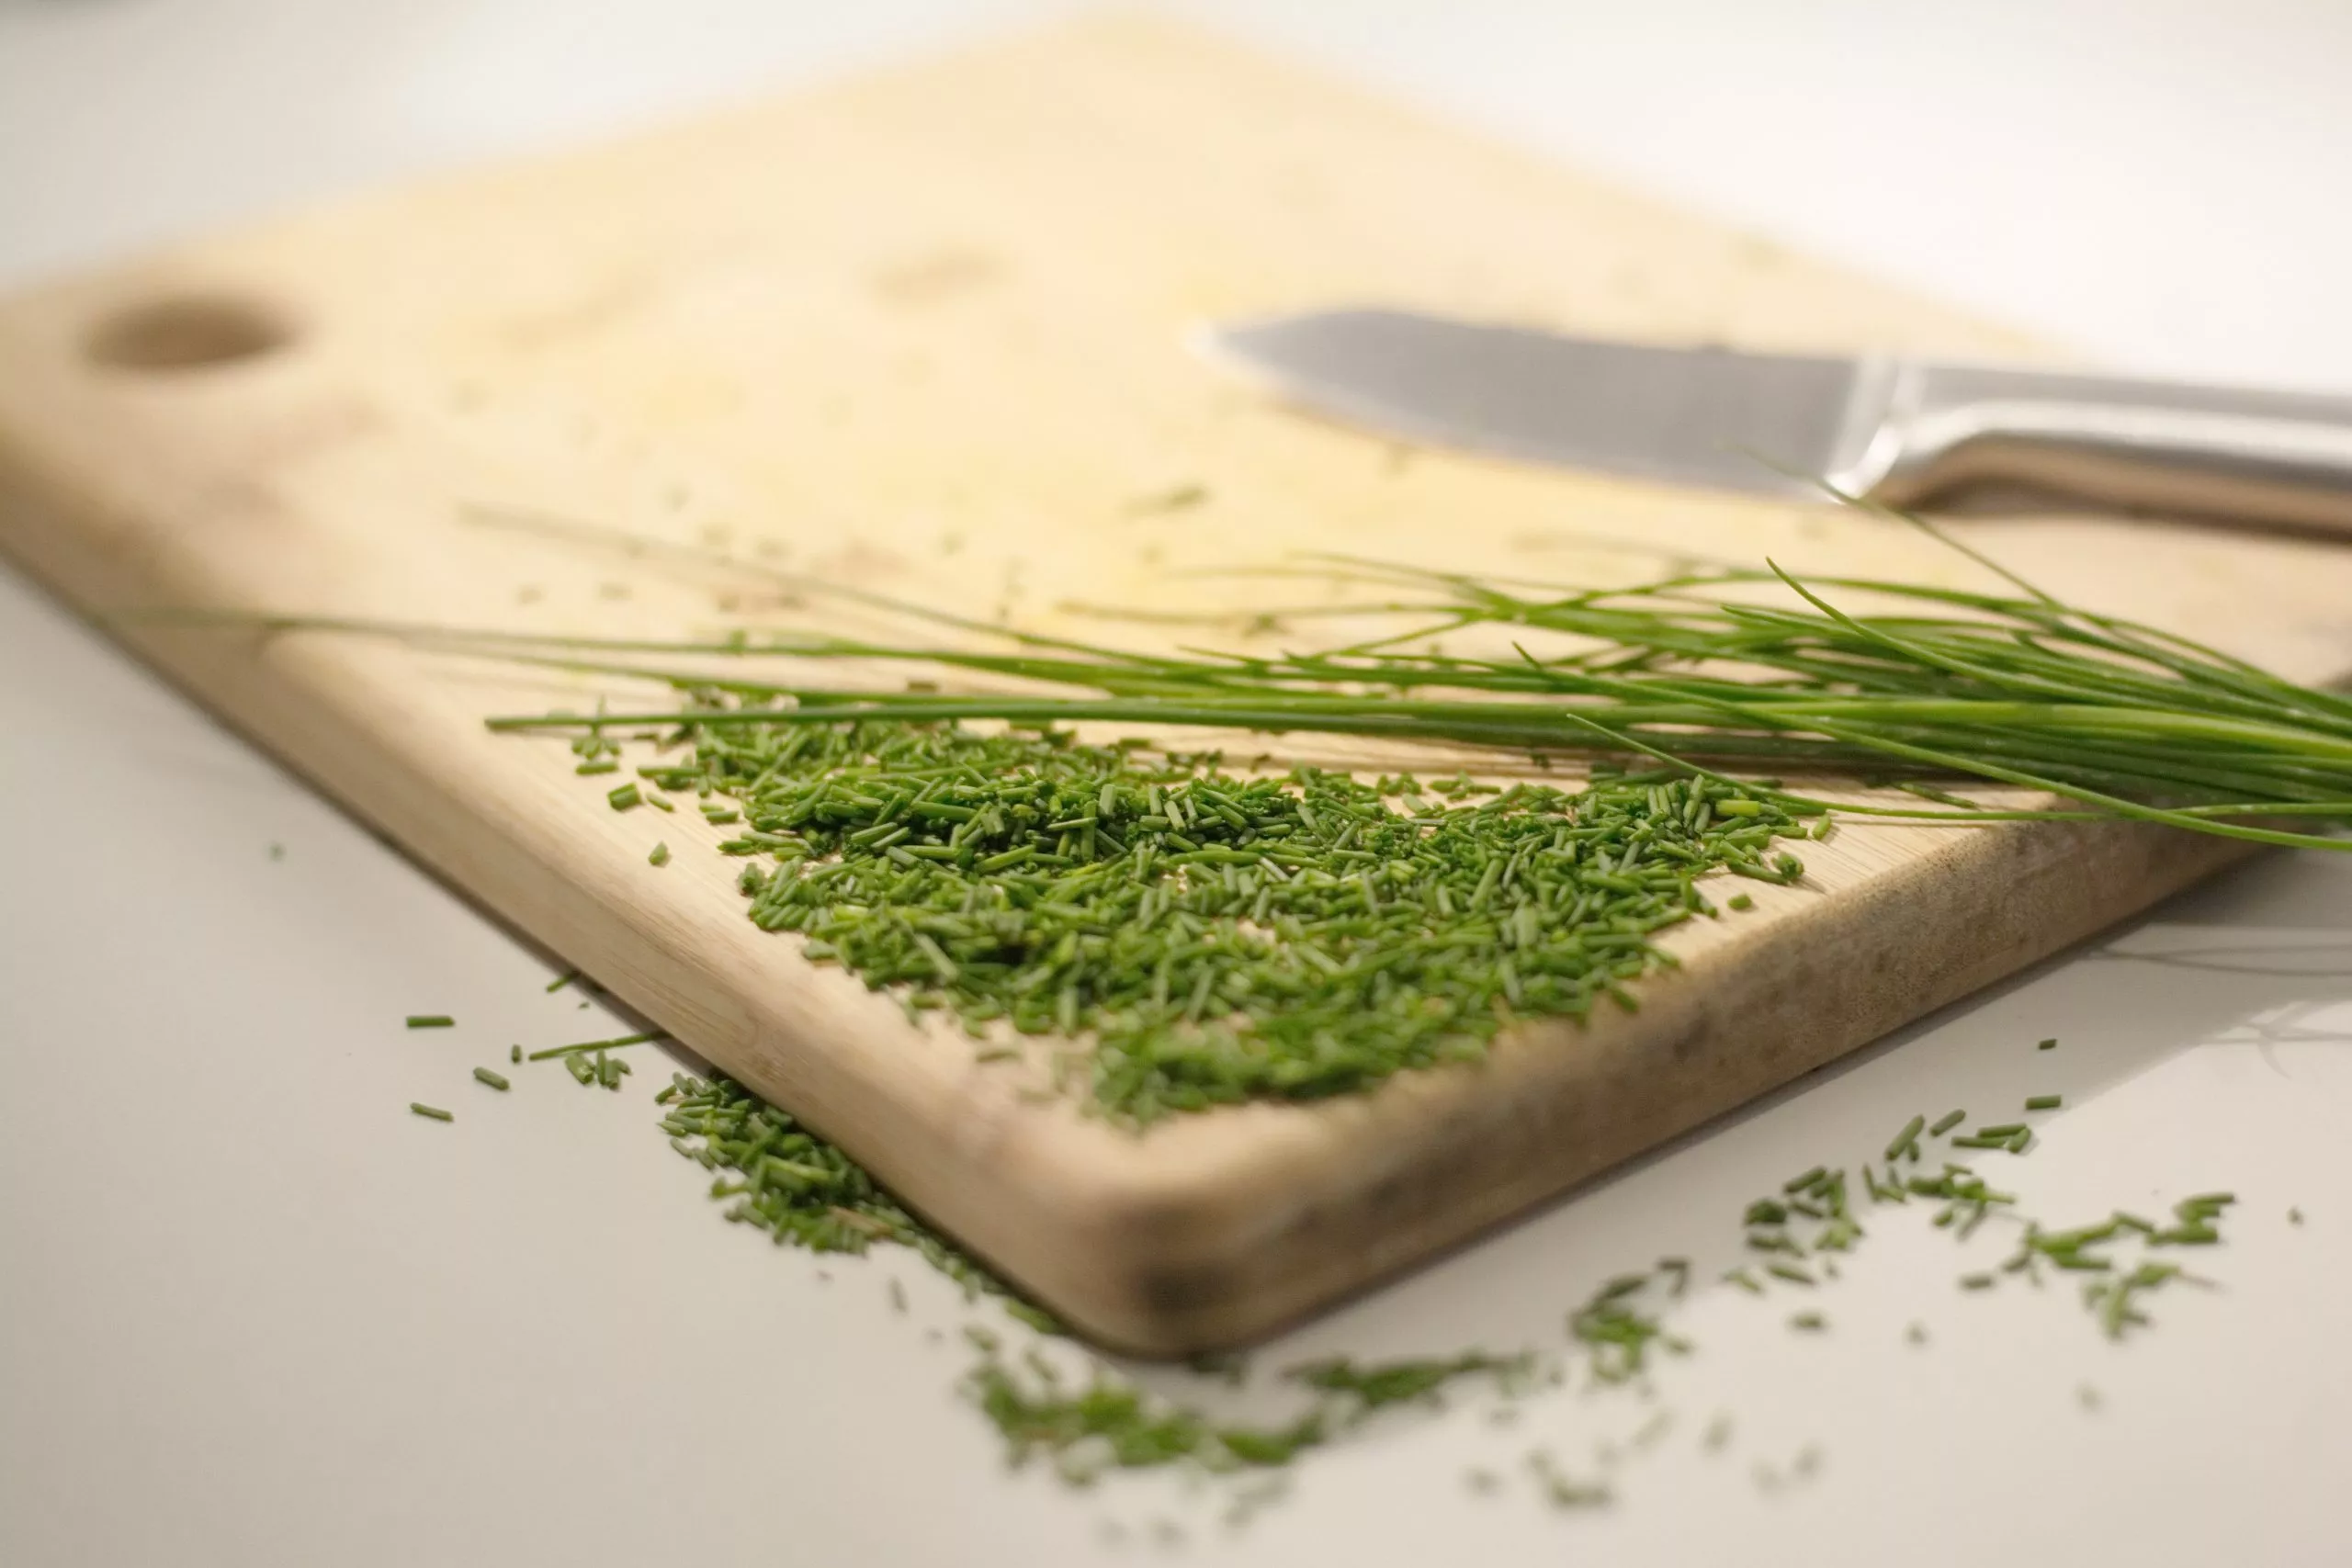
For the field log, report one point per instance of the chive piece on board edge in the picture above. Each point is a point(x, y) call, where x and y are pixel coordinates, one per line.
point(431, 1112)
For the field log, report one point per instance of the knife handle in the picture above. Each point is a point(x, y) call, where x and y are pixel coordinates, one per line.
point(2242, 455)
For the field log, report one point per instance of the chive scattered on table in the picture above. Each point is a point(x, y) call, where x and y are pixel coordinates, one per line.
point(2044, 1101)
point(496, 1081)
point(431, 1112)
point(431, 1020)
point(586, 1047)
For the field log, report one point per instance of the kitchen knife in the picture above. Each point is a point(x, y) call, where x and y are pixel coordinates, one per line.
point(1898, 431)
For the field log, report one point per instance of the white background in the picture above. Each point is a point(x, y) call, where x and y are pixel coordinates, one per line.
point(251, 1312)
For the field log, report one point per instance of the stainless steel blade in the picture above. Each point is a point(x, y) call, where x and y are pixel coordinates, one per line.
point(1691, 416)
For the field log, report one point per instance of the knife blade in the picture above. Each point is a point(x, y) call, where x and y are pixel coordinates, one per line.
point(1899, 431)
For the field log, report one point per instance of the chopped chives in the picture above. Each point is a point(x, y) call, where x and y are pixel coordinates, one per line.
point(2044, 1101)
point(660, 855)
point(495, 1080)
point(588, 1045)
point(1947, 1121)
point(1906, 1139)
point(431, 1112)
point(1804, 1183)
point(2049, 1045)
point(431, 1020)
point(622, 798)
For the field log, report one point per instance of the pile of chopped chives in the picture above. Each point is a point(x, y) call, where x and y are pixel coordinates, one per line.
point(1218, 937)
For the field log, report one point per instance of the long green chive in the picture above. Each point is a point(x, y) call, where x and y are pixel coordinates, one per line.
point(1947, 1121)
point(587, 1046)
point(431, 1112)
point(494, 1079)
point(431, 1020)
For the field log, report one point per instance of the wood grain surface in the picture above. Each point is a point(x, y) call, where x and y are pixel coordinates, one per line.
point(924, 332)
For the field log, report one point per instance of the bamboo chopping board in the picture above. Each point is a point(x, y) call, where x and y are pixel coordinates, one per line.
point(922, 334)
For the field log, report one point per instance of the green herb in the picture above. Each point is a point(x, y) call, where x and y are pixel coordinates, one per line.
point(1907, 1140)
point(431, 1020)
point(1808, 1322)
point(622, 798)
point(587, 1047)
point(1740, 901)
point(560, 981)
point(1618, 1332)
point(1563, 1492)
point(515, 1052)
point(1222, 938)
point(2118, 718)
point(1396, 1383)
point(1947, 1121)
point(432, 1112)
point(660, 856)
point(2044, 1101)
point(494, 1079)
point(2049, 1045)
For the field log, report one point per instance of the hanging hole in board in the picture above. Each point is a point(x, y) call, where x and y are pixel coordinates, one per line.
point(189, 333)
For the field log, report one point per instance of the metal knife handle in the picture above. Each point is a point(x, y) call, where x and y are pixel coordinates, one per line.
point(2262, 457)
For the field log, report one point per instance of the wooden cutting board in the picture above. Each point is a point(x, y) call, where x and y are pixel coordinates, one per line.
point(924, 332)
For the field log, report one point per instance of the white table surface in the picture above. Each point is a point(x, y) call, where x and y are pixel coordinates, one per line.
point(251, 1312)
